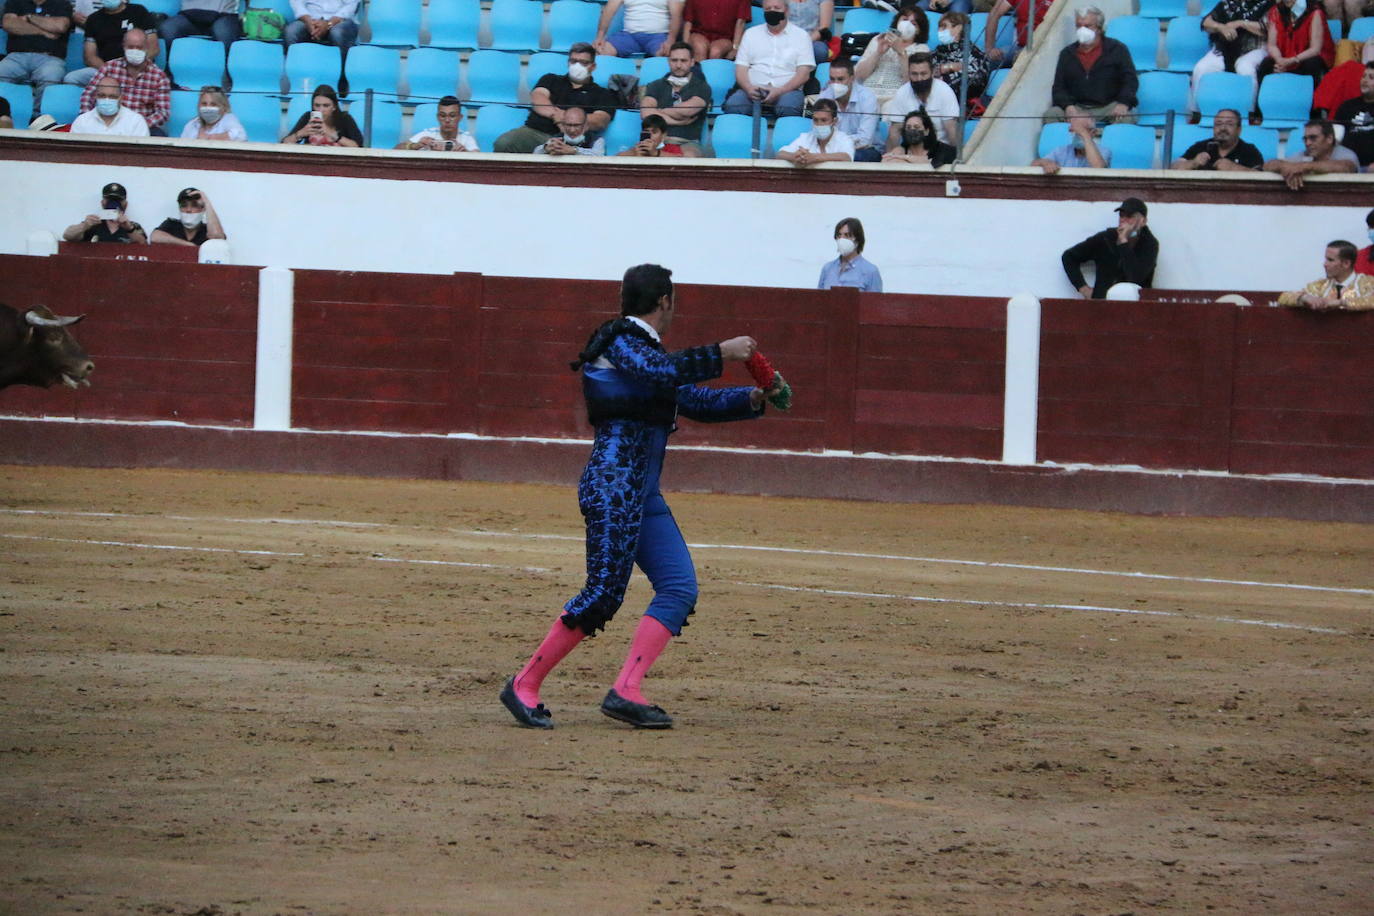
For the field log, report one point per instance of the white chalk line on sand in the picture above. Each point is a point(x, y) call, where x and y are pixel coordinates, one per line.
point(799, 551)
point(924, 599)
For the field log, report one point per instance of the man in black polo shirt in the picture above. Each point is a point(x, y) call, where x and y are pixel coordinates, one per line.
point(681, 98)
point(37, 43)
point(105, 30)
point(1357, 115)
point(1225, 151)
point(556, 92)
point(111, 224)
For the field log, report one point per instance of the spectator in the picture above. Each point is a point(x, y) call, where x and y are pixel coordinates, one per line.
point(325, 124)
point(574, 140)
point(553, 95)
point(1225, 152)
point(1364, 264)
point(920, 143)
point(824, 142)
point(814, 17)
point(195, 224)
point(883, 65)
point(651, 27)
point(850, 268)
point(1126, 254)
point(6, 117)
point(681, 99)
point(1299, 40)
point(1235, 29)
point(714, 28)
point(1341, 288)
point(325, 21)
point(1342, 82)
point(37, 43)
point(111, 224)
point(773, 64)
point(144, 87)
point(1083, 151)
point(1322, 155)
point(109, 116)
point(653, 141)
point(1023, 31)
point(446, 138)
point(858, 109)
point(1357, 116)
point(214, 119)
point(925, 92)
point(218, 19)
point(949, 57)
point(1095, 75)
point(105, 30)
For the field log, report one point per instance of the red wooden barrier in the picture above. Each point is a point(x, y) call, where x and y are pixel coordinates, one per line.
point(110, 251)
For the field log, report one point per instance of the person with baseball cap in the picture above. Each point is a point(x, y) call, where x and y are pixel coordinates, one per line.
point(1126, 254)
point(111, 224)
point(195, 223)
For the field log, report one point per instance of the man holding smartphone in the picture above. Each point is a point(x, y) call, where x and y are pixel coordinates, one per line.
point(111, 224)
point(446, 138)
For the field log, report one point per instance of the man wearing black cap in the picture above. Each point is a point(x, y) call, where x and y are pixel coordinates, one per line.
point(112, 224)
point(1124, 254)
point(195, 224)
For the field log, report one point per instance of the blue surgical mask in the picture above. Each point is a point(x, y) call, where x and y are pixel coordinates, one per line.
point(945, 36)
point(822, 131)
point(1371, 235)
point(107, 107)
point(111, 4)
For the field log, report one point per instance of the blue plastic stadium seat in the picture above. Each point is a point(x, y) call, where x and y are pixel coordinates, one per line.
point(607, 67)
point(185, 107)
point(720, 76)
point(166, 7)
point(76, 50)
point(432, 73)
point(970, 127)
point(1362, 29)
point(623, 132)
point(21, 102)
point(309, 65)
point(571, 21)
point(386, 121)
point(865, 20)
point(546, 62)
point(653, 68)
point(375, 68)
point(1132, 146)
point(197, 62)
point(822, 74)
point(995, 82)
point(933, 19)
point(425, 116)
point(255, 66)
point(495, 120)
point(1159, 93)
point(493, 77)
point(787, 129)
point(1141, 37)
point(732, 136)
point(516, 25)
point(1285, 99)
point(454, 25)
point(1185, 135)
point(1267, 141)
point(61, 101)
point(394, 23)
point(1216, 91)
point(260, 116)
point(1165, 9)
point(1185, 43)
point(1052, 136)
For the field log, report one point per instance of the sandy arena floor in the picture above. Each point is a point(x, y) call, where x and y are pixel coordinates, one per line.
point(266, 694)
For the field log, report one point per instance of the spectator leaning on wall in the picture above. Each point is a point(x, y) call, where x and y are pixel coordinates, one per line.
point(1321, 155)
point(1342, 288)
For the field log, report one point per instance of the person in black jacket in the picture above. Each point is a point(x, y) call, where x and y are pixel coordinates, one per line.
point(1124, 254)
point(1095, 76)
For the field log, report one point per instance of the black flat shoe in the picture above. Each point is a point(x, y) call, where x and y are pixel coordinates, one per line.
point(640, 715)
point(536, 717)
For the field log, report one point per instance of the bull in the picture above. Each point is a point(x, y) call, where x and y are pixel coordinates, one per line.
point(37, 349)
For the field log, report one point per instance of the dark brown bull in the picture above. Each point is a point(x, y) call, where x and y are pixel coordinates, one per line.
point(37, 349)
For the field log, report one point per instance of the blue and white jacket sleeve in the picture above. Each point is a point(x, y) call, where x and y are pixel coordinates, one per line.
point(716, 405)
point(642, 360)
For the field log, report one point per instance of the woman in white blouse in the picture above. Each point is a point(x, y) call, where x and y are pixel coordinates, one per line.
point(214, 120)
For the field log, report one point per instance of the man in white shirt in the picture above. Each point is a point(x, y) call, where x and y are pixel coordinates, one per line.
point(923, 91)
point(108, 117)
point(773, 64)
point(858, 109)
point(331, 21)
point(824, 142)
point(446, 138)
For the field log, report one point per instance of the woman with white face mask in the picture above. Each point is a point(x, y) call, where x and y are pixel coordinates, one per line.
point(195, 223)
point(850, 268)
point(214, 120)
point(882, 68)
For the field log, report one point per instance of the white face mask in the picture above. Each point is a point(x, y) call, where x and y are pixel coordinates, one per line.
point(192, 220)
point(574, 141)
point(906, 29)
point(945, 36)
point(135, 56)
point(210, 114)
point(822, 131)
point(679, 81)
point(840, 89)
point(107, 107)
point(845, 246)
point(1085, 35)
point(578, 72)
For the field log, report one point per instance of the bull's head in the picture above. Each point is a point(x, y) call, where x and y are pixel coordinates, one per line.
point(56, 355)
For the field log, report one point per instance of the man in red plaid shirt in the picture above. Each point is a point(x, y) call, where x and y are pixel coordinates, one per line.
point(145, 88)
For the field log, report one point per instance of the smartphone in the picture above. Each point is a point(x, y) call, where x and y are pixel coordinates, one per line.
point(643, 135)
point(316, 116)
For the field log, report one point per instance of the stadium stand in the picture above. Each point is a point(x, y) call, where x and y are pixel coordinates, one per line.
point(373, 67)
point(454, 25)
point(394, 23)
point(197, 62)
point(1285, 99)
point(493, 77)
point(515, 25)
point(256, 66)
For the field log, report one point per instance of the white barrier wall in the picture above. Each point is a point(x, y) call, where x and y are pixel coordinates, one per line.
point(922, 245)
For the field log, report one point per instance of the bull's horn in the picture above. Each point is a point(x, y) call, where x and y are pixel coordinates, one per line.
point(39, 321)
